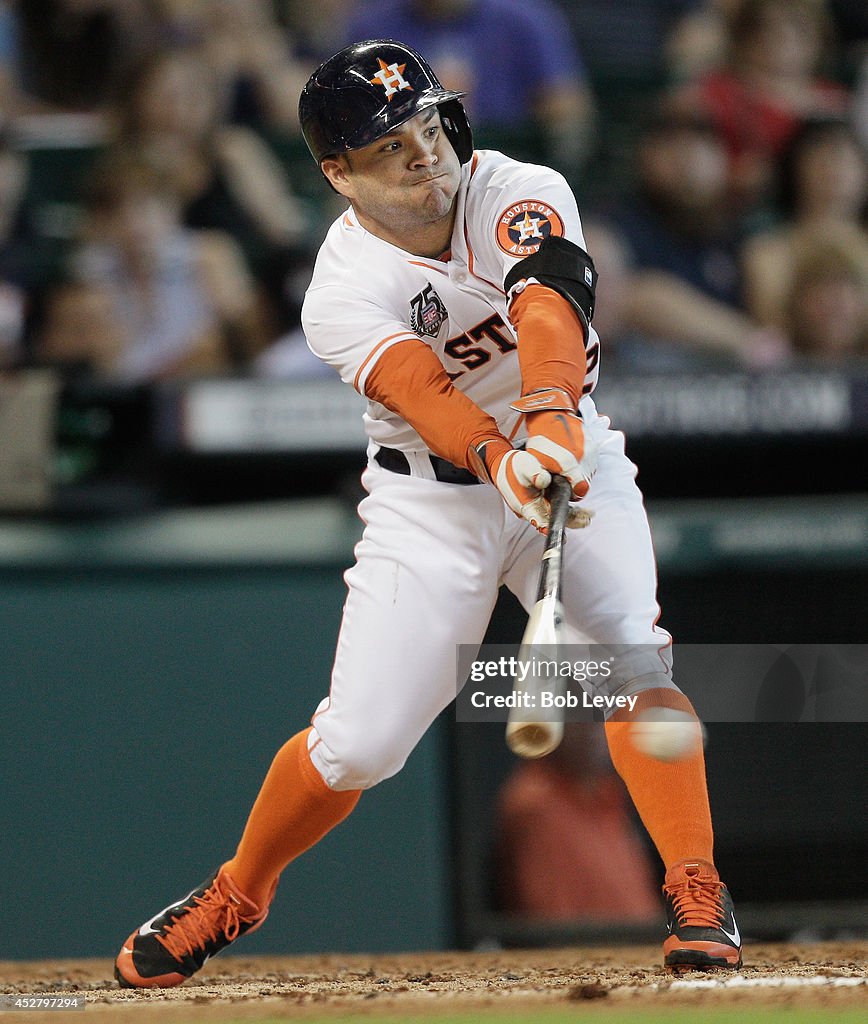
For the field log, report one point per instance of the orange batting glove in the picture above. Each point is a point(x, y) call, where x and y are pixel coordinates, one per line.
point(556, 437)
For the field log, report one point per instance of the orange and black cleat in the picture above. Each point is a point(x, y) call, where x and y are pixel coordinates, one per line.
point(177, 941)
point(703, 935)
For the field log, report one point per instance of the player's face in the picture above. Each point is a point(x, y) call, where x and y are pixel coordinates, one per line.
point(403, 186)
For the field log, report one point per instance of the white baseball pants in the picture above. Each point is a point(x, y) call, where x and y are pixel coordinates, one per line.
point(428, 569)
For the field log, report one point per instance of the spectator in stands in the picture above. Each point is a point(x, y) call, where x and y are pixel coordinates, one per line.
point(611, 258)
point(827, 306)
point(316, 31)
point(9, 58)
point(617, 317)
point(149, 299)
point(515, 59)
point(289, 358)
point(566, 847)
point(171, 115)
point(13, 268)
point(72, 53)
point(248, 54)
point(823, 185)
point(699, 41)
point(850, 18)
point(767, 89)
point(860, 103)
point(626, 40)
point(683, 247)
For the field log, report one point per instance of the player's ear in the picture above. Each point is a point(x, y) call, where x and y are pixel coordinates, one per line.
point(336, 168)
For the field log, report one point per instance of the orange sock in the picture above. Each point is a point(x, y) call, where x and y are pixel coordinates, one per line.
point(293, 811)
point(671, 797)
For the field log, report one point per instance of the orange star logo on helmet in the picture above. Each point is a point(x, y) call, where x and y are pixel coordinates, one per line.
point(391, 77)
point(523, 226)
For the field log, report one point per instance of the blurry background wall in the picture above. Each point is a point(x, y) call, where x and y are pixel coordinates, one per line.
point(148, 677)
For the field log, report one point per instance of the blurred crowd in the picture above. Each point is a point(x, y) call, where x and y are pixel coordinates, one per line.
point(159, 212)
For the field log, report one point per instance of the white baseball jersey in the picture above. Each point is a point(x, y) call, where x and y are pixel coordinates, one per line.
point(367, 294)
point(434, 555)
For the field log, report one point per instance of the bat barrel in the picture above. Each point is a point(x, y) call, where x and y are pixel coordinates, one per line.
point(533, 739)
point(530, 732)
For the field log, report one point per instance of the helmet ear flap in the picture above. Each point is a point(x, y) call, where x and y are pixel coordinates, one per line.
point(457, 127)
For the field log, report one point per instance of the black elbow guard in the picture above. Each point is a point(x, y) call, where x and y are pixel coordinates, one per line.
point(564, 267)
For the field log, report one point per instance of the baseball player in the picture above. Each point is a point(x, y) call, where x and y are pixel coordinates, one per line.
point(456, 295)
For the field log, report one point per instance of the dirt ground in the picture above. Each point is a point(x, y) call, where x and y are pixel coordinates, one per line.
point(823, 975)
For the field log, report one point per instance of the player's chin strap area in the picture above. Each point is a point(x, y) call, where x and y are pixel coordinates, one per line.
point(447, 473)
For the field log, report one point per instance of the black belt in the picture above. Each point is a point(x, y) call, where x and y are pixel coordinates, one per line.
point(445, 472)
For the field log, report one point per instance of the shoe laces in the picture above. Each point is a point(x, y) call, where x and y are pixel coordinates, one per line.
point(215, 913)
point(696, 899)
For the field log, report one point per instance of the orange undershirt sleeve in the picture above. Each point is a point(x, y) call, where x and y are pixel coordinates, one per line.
point(551, 344)
point(410, 380)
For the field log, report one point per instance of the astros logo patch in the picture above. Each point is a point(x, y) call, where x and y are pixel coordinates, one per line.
point(391, 77)
point(522, 227)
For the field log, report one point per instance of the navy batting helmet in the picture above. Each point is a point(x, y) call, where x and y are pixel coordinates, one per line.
point(367, 90)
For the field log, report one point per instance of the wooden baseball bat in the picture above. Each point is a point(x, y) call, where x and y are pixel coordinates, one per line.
point(529, 731)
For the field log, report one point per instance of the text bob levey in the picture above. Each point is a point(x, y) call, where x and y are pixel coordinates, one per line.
point(520, 699)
